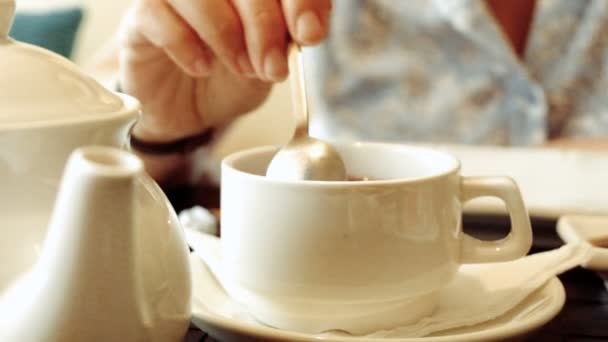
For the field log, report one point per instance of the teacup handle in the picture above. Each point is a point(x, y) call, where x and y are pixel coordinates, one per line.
point(519, 240)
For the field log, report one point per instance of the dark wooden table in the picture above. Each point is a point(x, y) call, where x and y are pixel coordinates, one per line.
point(584, 317)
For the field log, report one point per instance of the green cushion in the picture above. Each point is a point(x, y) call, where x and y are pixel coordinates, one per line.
point(54, 30)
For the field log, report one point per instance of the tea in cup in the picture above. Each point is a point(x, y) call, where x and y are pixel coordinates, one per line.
point(361, 255)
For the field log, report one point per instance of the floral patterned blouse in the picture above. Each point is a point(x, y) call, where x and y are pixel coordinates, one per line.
point(442, 71)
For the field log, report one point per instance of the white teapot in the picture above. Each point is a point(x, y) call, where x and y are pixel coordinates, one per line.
point(96, 254)
point(48, 108)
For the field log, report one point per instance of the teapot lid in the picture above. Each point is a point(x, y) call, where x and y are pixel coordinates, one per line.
point(39, 86)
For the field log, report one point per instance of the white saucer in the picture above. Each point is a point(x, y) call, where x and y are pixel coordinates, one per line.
point(575, 228)
point(222, 318)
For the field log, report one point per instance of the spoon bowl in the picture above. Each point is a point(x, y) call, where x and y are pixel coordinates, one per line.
point(304, 157)
point(307, 158)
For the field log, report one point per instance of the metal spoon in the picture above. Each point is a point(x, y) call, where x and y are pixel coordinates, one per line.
point(304, 157)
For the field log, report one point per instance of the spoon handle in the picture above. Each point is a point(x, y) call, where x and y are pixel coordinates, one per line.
point(7, 11)
point(298, 90)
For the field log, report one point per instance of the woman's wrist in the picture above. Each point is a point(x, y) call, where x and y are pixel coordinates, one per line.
point(159, 130)
point(151, 130)
point(167, 143)
point(169, 162)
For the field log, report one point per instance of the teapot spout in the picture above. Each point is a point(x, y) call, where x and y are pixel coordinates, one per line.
point(85, 286)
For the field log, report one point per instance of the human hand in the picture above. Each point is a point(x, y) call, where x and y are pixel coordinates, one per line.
point(200, 64)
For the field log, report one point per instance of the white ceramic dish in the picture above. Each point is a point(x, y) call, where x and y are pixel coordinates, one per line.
point(214, 312)
point(48, 108)
point(553, 182)
point(594, 230)
point(163, 282)
point(407, 220)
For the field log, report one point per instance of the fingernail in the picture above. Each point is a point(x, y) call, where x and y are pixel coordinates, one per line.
point(202, 67)
point(308, 27)
point(245, 65)
point(275, 64)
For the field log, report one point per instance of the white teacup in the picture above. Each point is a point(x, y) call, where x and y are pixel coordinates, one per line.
point(355, 255)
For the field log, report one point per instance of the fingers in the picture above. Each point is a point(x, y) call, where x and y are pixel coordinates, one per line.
point(218, 24)
point(265, 36)
point(307, 19)
point(161, 26)
point(248, 36)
